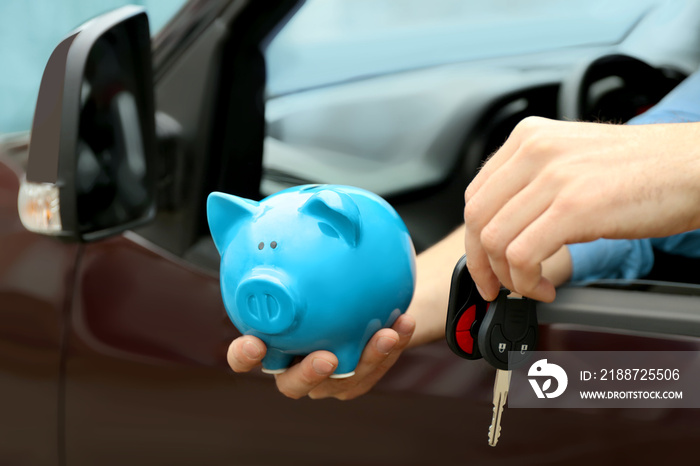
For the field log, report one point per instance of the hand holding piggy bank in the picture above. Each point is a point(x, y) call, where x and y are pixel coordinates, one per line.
point(316, 267)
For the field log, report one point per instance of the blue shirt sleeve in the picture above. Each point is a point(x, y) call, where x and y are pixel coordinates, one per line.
point(686, 244)
point(607, 258)
point(611, 258)
point(681, 105)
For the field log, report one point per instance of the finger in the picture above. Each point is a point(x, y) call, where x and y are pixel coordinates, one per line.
point(481, 245)
point(479, 267)
point(379, 347)
point(405, 329)
point(380, 353)
point(297, 381)
point(572, 217)
point(245, 353)
point(489, 244)
point(385, 346)
point(519, 212)
point(528, 250)
point(493, 163)
point(377, 351)
point(526, 130)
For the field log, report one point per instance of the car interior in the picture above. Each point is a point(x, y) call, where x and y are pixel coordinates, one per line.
point(414, 136)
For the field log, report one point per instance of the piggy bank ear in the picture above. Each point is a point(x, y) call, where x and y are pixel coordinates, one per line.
point(226, 213)
point(337, 212)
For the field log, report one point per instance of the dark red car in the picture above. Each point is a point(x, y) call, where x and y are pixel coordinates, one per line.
point(113, 333)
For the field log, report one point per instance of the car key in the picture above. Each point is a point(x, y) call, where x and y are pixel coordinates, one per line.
point(507, 337)
point(500, 396)
point(474, 330)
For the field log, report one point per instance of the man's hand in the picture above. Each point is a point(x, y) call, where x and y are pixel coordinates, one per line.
point(554, 183)
point(311, 376)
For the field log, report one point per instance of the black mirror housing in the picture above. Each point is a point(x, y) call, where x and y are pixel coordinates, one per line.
point(90, 172)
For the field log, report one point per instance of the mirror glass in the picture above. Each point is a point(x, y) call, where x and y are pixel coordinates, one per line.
point(111, 181)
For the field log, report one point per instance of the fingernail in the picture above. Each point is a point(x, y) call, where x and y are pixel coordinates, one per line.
point(386, 344)
point(405, 327)
point(322, 367)
point(478, 288)
point(481, 292)
point(251, 350)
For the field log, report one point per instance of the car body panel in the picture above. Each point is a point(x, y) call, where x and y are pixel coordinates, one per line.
point(36, 277)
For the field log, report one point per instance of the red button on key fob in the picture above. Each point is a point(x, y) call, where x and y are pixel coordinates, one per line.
point(465, 312)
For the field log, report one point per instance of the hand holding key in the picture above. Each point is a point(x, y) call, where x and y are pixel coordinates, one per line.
point(551, 184)
point(503, 332)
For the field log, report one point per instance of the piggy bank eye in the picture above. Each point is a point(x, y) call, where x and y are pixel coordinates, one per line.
point(273, 245)
point(261, 245)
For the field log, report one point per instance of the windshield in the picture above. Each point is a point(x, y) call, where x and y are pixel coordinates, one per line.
point(29, 31)
point(329, 41)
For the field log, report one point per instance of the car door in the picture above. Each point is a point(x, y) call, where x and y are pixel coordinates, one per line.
point(145, 354)
point(143, 374)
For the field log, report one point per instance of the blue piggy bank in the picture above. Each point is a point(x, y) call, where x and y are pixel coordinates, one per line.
point(312, 267)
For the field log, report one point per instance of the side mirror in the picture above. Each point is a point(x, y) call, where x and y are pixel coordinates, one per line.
point(90, 172)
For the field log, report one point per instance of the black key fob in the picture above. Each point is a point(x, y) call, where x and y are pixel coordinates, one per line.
point(465, 312)
point(508, 334)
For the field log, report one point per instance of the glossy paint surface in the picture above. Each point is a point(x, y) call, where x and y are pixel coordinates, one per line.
point(36, 275)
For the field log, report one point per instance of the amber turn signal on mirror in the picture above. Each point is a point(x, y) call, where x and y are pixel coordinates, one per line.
point(39, 207)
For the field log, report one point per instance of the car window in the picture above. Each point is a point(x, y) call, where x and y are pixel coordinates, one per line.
point(329, 41)
point(388, 95)
point(29, 31)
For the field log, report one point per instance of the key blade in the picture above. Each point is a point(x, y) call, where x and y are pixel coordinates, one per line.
point(495, 427)
point(500, 396)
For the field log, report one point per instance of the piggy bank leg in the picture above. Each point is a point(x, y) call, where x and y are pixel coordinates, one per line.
point(347, 361)
point(276, 362)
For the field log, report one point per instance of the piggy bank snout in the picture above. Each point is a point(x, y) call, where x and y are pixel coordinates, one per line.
point(266, 304)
